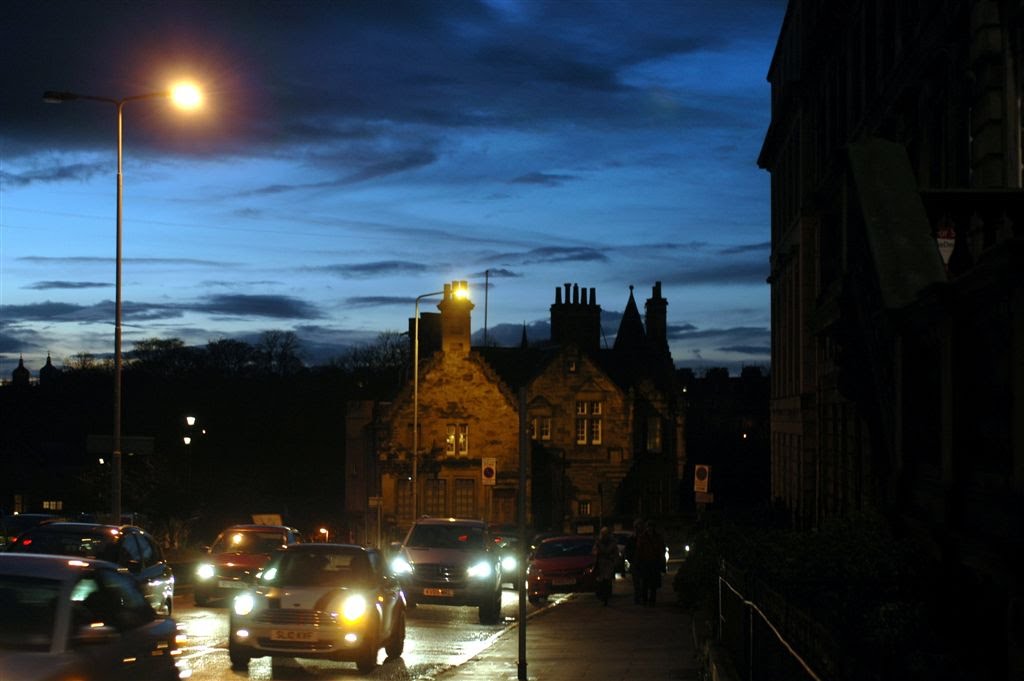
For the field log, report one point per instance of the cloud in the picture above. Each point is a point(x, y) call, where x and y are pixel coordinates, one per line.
point(46, 285)
point(74, 171)
point(546, 179)
point(376, 269)
point(269, 306)
point(378, 301)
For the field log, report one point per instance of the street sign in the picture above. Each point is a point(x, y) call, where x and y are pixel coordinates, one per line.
point(488, 469)
point(701, 473)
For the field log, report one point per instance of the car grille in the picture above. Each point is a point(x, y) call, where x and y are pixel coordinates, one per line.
point(234, 573)
point(435, 572)
point(296, 616)
point(306, 646)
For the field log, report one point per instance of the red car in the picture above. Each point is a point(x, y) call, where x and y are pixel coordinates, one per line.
point(233, 560)
point(561, 565)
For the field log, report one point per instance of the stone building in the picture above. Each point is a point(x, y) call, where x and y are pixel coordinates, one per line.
point(603, 425)
point(897, 288)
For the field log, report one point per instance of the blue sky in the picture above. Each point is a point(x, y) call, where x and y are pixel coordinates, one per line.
point(353, 155)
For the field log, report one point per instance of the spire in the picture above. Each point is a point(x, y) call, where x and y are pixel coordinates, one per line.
point(20, 375)
point(523, 344)
point(631, 334)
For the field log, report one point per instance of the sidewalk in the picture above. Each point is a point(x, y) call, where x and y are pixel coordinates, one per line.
point(579, 638)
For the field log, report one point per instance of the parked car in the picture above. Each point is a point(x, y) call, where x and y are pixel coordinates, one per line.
point(128, 546)
point(13, 525)
point(561, 565)
point(451, 561)
point(328, 601)
point(83, 619)
point(236, 556)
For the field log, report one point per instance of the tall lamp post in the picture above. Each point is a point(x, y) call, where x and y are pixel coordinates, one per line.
point(460, 292)
point(186, 96)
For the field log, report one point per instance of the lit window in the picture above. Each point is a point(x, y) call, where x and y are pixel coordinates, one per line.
point(588, 422)
point(584, 508)
point(449, 440)
point(457, 439)
point(540, 428)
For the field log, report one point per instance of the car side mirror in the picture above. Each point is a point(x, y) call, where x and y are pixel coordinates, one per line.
point(92, 635)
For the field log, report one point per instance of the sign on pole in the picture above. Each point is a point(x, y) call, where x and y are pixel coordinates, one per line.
point(701, 473)
point(488, 469)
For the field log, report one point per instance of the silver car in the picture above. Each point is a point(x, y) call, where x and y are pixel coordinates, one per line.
point(328, 601)
point(64, 618)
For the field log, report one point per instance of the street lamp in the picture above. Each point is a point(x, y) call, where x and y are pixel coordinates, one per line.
point(460, 291)
point(184, 95)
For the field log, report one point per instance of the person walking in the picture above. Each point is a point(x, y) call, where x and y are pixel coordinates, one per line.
point(606, 553)
point(629, 554)
point(650, 559)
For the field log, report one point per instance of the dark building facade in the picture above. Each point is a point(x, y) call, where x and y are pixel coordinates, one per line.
point(897, 279)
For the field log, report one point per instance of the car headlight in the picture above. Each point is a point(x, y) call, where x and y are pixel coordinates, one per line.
point(480, 570)
point(244, 603)
point(204, 571)
point(401, 566)
point(508, 563)
point(353, 608)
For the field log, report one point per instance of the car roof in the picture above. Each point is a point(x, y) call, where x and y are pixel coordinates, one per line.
point(82, 527)
point(311, 547)
point(47, 566)
point(252, 527)
point(451, 521)
point(570, 537)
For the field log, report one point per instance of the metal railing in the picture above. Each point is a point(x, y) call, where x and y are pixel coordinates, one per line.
point(771, 640)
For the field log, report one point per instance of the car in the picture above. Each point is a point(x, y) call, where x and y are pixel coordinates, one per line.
point(236, 556)
point(64, 617)
point(506, 538)
point(451, 561)
point(130, 547)
point(562, 564)
point(320, 600)
point(13, 525)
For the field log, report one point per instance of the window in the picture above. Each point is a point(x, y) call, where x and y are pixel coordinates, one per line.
point(456, 441)
point(464, 499)
point(53, 505)
point(653, 434)
point(540, 428)
point(588, 422)
point(404, 493)
point(584, 508)
point(434, 493)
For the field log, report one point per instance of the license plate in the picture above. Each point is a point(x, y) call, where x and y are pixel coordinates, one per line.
point(228, 584)
point(563, 581)
point(291, 635)
point(432, 591)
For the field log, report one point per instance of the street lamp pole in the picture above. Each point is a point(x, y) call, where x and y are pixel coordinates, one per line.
point(187, 96)
point(416, 400)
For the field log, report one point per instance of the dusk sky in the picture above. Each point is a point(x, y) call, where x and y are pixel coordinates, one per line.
point(351, 156)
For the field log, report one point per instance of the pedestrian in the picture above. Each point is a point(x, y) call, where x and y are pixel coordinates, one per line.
point(650, 559)
point(606, 554)
point(629, 554)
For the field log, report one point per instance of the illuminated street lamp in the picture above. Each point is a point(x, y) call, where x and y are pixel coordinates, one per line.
point(461, 291)
point(325, 533)
point(184, 95)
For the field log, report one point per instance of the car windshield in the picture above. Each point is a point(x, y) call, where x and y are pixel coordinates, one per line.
point(558, 548)
point(28, 609)
point(66, 542)
point(249, 541)
point(446, 537)
point(320, 568)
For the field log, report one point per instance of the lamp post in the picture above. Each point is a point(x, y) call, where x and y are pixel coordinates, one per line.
point(461, 292)
point(186, 96)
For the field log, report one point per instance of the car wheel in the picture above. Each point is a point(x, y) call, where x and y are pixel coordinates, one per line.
point(490, 610)
point(534, 600)
point(396, 644)
point(201, 599)
point(366, 662)
point(239, 658)
point(168, 608)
